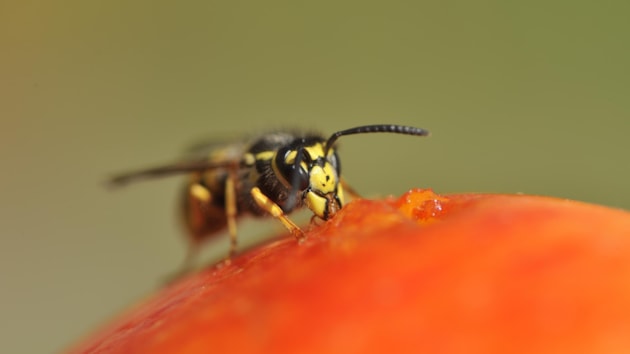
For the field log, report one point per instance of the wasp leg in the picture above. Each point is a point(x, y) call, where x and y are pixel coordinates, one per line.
point(231, 210)
point(197, 201)
point(349, 190)
point(272, 208)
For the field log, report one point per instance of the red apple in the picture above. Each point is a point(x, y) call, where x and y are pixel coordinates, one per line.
point(424, 274)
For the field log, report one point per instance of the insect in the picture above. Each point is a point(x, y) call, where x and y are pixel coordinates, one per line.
point(273, 174)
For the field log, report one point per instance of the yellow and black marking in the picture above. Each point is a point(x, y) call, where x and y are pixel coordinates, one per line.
point(272, 175)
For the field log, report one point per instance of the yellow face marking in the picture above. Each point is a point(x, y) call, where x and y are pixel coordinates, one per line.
point(323, 206)
point(323, 179)
point(316, 203)
point(316, 150)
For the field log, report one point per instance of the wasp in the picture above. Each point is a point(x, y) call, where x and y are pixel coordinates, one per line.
point(271, 175)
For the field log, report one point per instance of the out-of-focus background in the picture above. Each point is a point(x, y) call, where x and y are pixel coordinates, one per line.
point(528, 97)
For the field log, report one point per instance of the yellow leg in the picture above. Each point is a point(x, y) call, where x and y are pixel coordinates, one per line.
point(272, 208)
point(230, 211)
point(197, 199)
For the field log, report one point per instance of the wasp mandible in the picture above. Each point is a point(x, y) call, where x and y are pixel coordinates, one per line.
point(273, 174)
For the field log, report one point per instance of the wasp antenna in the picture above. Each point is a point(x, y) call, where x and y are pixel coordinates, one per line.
point(376, 128)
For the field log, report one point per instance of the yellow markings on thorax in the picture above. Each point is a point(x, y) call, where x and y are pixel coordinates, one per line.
point(265, 155)
point(250, 159)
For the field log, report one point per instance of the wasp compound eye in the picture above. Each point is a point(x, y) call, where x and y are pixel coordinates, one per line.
point(290, 165)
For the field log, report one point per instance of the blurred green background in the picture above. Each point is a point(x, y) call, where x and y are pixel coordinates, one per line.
point(528, 97)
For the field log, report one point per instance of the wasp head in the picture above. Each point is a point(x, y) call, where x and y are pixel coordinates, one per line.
point(311, 173)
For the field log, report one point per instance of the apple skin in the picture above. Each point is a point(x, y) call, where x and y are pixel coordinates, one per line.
point(468, 273)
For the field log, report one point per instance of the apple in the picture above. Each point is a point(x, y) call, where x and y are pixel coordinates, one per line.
point(423, 273)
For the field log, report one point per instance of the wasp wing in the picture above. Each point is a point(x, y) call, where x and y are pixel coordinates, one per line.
point(173, 169)
point(202, 157)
